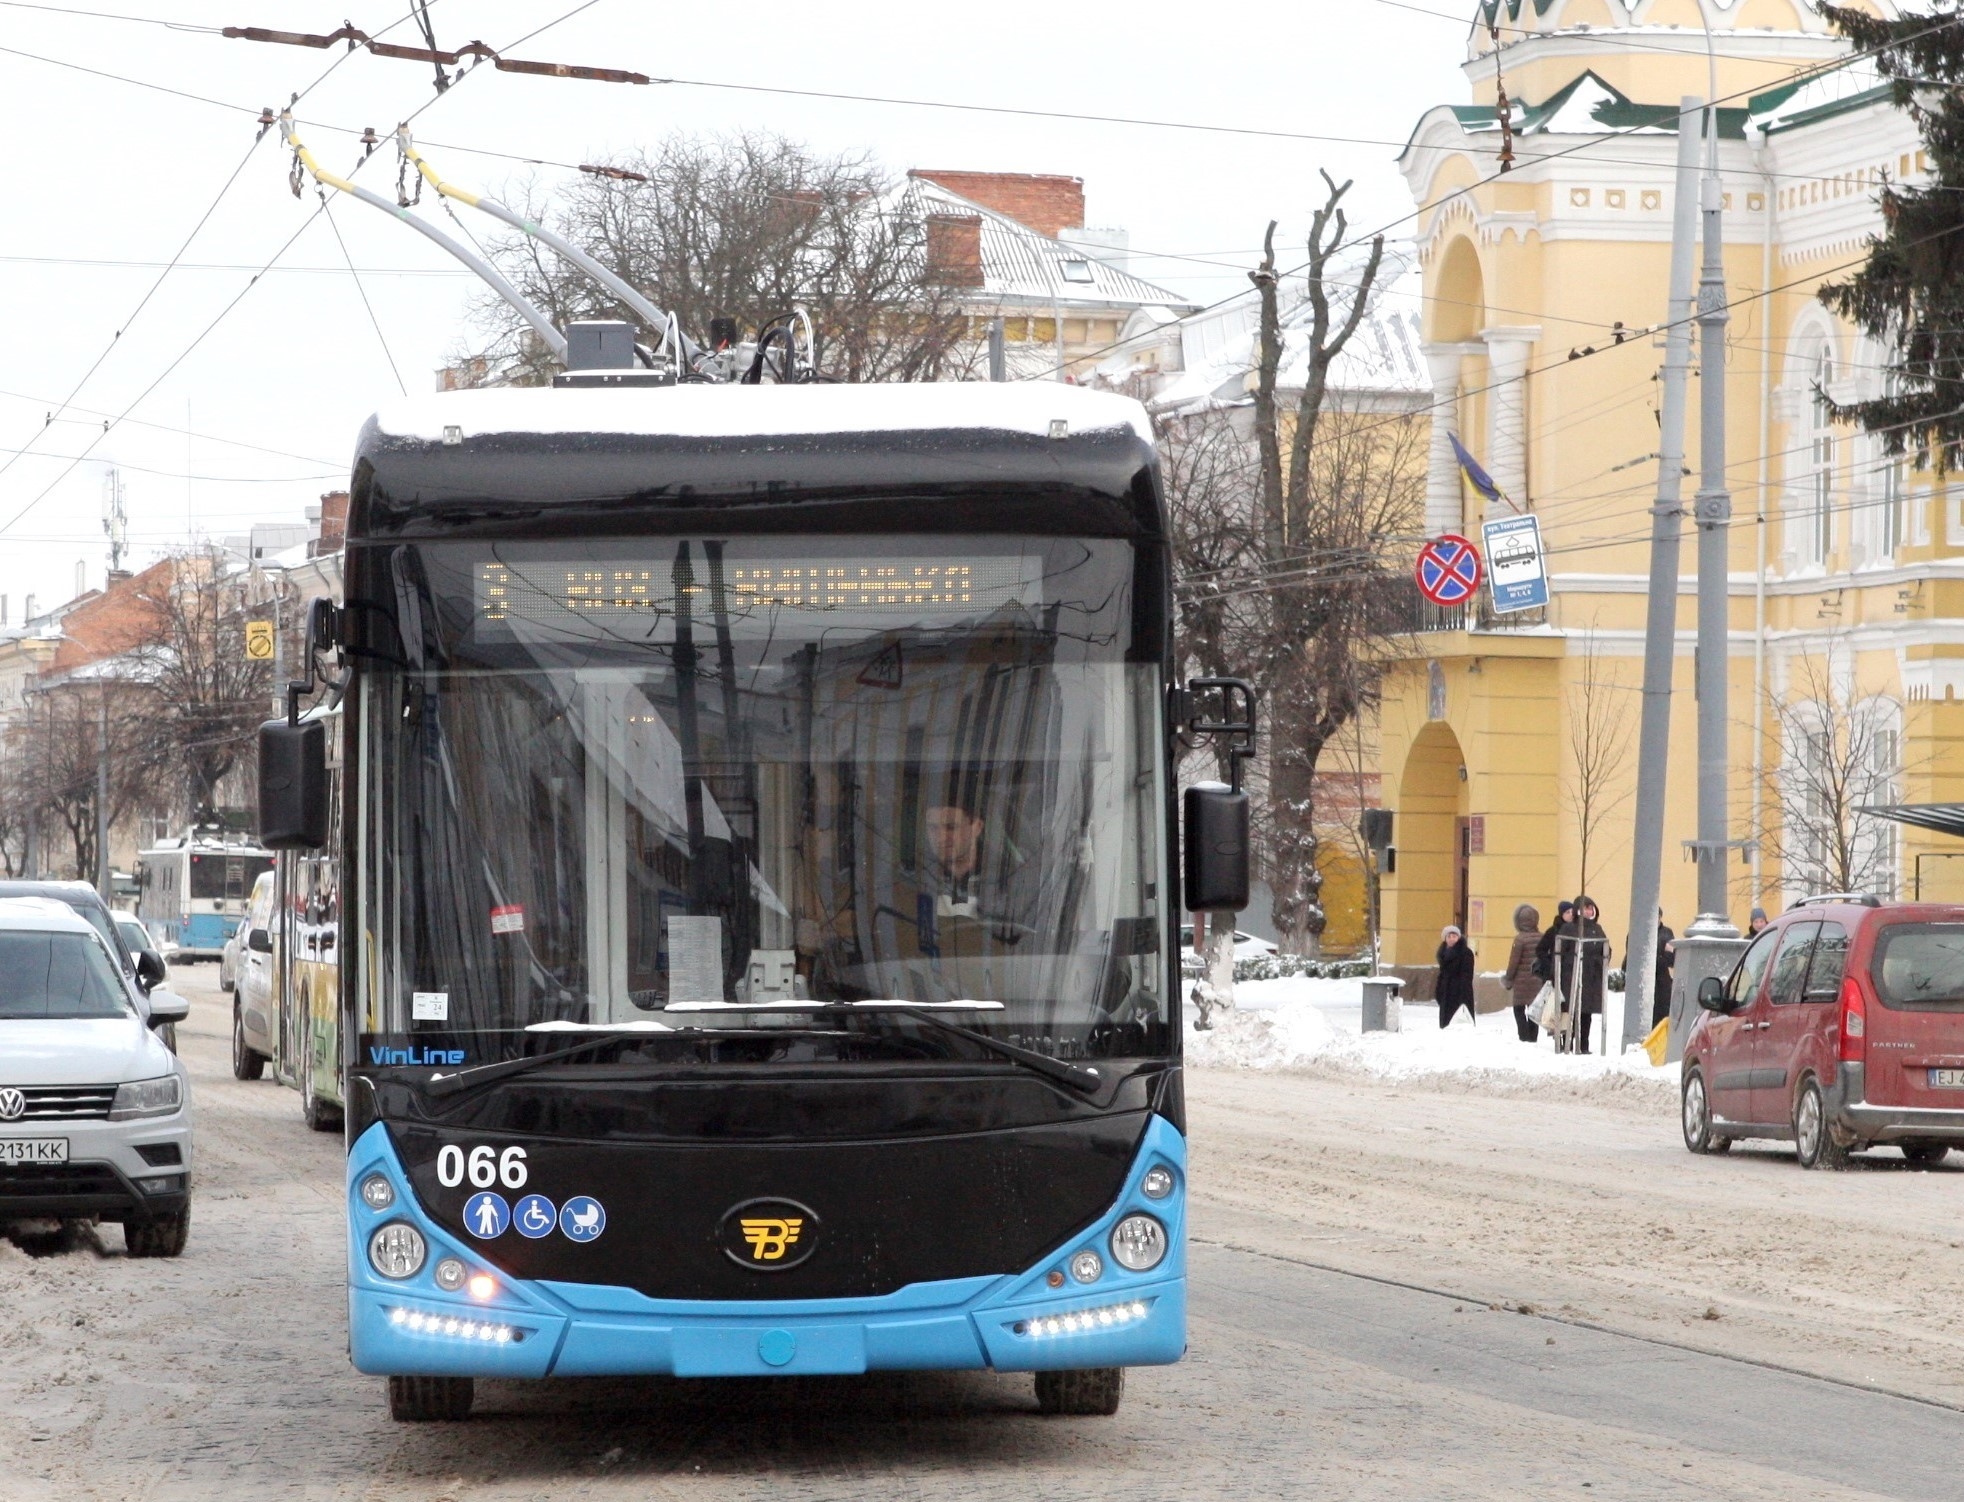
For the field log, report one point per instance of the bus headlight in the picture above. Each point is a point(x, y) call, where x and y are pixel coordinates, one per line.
point(1139, 1243)
point(377, 1193)
point(1157, 1184)
point(397, 1250)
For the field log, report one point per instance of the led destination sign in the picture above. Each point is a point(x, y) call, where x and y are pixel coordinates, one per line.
point(552, 592)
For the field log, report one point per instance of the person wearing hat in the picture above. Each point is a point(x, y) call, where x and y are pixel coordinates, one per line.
point(1455, 988)
point(1756, 922)
point(1544, 953)
point(1522, 978)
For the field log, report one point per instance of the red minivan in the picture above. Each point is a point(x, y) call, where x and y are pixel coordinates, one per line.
point(1841, 1028)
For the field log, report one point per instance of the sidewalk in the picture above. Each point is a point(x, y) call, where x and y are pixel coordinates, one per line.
point(1300, 1024)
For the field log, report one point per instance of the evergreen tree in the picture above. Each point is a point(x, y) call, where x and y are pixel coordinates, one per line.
point(1909, 295)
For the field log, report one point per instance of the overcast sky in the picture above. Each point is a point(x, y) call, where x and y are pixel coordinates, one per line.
point(103, 180)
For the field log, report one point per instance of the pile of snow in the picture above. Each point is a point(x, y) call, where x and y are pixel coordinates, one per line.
point(1317, 1024)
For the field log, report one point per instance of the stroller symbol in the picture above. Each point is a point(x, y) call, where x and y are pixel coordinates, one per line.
point(582, 1219)
point(535, 1216)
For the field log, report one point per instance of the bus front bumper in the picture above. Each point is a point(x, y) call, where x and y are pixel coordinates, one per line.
point(1017, 1322)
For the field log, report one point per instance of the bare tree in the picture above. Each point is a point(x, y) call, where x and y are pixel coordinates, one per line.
point(1593, 785)
point(1350, 489)
point(211, 695)
point(72, 738)
point(1839, 753)
point(744, 227)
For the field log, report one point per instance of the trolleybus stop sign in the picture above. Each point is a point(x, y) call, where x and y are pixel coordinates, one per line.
point(1448, 570)
point(1517, 570)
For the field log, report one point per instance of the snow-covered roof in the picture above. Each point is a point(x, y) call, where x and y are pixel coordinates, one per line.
point(1819, 96)
point(1021, 263)
point(1588, 105)
point(1383, 357)
point(1025, 408)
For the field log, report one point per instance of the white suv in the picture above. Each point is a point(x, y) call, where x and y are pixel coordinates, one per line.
point(95, 1112)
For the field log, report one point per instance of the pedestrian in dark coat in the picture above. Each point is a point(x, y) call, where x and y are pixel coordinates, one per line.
point(1455, 988)
point(1544, 954)
point(1667, 959)
point(1520, 977)
point(1582, 964)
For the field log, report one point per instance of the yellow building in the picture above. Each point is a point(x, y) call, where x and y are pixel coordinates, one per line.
point(1508, 743)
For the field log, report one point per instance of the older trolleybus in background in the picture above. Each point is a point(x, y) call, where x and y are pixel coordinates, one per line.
point(192, 892)
point(755, 906)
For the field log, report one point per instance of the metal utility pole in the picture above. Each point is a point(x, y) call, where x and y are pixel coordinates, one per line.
point(1661, 626)
point(1711, 944)
point(1714, 512)
point(998, 356)
point(115, 519)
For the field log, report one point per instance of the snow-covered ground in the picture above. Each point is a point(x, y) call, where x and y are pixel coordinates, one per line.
point(1301, 1023)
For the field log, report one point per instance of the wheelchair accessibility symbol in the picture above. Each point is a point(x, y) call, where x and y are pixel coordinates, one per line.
point(535, 1216)
point(582, 1219)
point(486, 1216)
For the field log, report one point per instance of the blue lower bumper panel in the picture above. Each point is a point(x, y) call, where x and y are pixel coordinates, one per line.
point(1014, 1322)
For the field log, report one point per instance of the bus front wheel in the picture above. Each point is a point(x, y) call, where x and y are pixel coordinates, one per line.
point(425, 1400)
point(1093, 1391)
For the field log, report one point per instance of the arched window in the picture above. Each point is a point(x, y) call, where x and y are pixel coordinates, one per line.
point(1821, 457)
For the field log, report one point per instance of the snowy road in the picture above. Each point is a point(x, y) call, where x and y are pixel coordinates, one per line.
point(223, 1375)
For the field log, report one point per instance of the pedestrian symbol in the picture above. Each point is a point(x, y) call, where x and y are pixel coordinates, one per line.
point(259, 641)
point(582, 1219)
point(486, 1215)
point(535, 1216)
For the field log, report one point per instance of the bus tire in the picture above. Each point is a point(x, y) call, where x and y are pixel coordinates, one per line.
point(248, 1063)
point(1090, 1392)
point(427, 1400)
point(317, 1113)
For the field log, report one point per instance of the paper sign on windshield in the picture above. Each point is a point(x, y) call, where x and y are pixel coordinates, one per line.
point(1517, 573)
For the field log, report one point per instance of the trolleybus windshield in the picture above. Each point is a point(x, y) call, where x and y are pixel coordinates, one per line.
point(629, 780)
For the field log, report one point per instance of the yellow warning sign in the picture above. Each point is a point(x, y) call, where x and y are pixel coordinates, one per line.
point(259, 641)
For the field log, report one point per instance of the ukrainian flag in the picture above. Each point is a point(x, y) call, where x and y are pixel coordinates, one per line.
point(1477, 477)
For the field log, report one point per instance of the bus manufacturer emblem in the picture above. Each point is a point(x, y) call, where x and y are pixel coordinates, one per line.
point(769, 1235)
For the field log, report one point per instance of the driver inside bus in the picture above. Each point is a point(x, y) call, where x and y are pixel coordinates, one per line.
point(977, 872)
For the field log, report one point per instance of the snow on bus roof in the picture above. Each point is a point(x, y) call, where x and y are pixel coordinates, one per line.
point(1030, 408)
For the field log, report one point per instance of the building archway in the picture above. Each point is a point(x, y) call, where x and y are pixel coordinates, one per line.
point(1430, 886)
point(1459, 306)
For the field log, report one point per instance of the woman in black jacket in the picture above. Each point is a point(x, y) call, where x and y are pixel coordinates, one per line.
point(1455, 988)
point(1582, 965)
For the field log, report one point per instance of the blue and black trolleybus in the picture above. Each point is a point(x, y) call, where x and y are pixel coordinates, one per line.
point(754, 871)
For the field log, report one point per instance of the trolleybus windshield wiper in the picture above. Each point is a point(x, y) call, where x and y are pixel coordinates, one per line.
point(1077, 1076)
point(484, 1074)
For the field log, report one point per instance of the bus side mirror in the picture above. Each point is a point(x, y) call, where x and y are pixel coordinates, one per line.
point(1215, 837)
point(292, 785)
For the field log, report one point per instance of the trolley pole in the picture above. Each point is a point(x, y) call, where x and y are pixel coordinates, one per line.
point(1661, 624)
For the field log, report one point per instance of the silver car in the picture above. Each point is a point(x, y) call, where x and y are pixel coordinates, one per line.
point(95, 1112)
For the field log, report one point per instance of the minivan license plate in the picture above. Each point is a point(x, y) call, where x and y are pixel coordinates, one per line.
point(33, 1149)
point(1947, 1079)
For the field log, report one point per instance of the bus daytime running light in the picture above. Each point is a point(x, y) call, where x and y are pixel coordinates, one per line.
point(377, 1192)
point(1157, 1184)
point(1083, 1321)
point(418, 1323)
